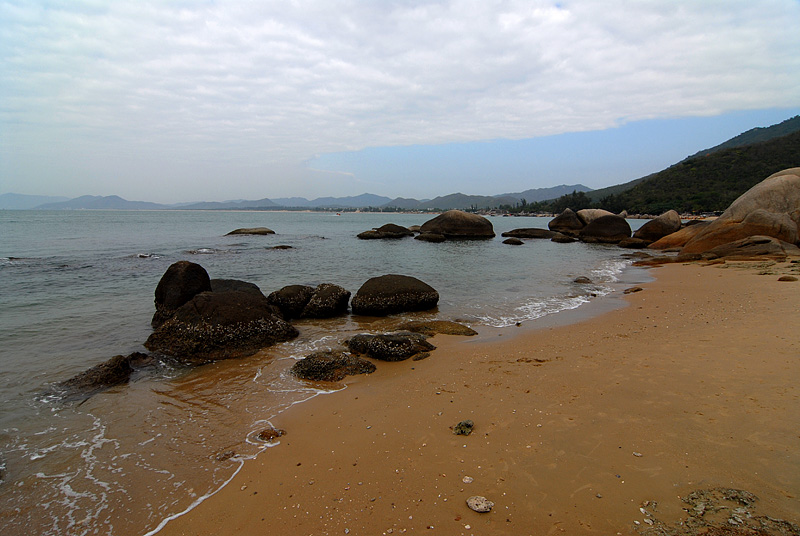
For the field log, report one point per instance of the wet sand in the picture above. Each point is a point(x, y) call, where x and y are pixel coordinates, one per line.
point(693, 385)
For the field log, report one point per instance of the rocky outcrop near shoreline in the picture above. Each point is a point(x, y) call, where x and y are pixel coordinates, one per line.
point(331, 366)
point(770, 208)
point(392, 293)
point(220, 325)
point(397, 346)
point(115, 371)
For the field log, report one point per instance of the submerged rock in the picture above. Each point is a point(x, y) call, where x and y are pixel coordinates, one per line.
point(252, 231)
point(115, 371)
point(271, 434)
point(513, 241)
point(397, 346)
point(331, 366)
point(430, 237)
point(388, 294)
point(530, 232)
point(390, 230)
point(432, 327)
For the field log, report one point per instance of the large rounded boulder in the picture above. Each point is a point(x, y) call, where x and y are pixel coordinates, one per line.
point(327, 301)
point(588, 215)
point(680, 238)
point(457, 224)
point(606, 229)
point(388, 294)
point(180, 283)
point(770, 208)
point(567, 222)
point(657, 228)
point(291, 299)
point(303, 301)
point(220, 325)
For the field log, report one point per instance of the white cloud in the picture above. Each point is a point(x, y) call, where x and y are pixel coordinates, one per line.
point(247, 85)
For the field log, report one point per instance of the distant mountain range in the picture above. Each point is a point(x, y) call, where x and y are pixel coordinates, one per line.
point(114, 202)
point(706, 181)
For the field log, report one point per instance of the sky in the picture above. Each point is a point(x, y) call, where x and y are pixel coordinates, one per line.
point(189, 100)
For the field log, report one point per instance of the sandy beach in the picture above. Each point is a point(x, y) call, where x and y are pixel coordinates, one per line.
point(596, 427)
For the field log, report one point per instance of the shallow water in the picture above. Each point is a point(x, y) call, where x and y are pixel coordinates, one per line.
point(76, 287)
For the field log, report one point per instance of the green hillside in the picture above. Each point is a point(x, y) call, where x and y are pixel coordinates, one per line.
point(708, 183)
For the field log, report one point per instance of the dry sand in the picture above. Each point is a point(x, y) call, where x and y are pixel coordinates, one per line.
point(692, 386)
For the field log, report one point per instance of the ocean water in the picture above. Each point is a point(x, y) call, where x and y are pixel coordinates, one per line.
point(76, 288)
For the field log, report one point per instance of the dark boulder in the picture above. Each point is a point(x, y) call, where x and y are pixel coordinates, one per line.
point(567, 222)
point(530, 232)
point(430, 237)
point(563, 239)
point(327, 301)
point(220, 325)
point(633, 243)
point(331, 366)
point(609, 229)
point(396, 346)
point(659, 227)
point(291, 299)
point(513, 241)
point(252, 231)
point(115, 371)
point(180, 283)
point(390, 230)
point(457, 224)
point(227, 285)
point(388, 294)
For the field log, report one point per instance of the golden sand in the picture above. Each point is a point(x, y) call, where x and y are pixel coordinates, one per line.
point(692, 386)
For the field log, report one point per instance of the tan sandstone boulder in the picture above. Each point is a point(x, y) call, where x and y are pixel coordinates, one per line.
point(678, 239)
point(588, 215)
point(770, 208)
point(659, 227)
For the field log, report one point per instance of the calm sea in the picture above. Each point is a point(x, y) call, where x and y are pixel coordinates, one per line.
point(76, 288)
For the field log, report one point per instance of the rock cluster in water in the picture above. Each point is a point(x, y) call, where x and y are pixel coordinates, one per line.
point(199, 320)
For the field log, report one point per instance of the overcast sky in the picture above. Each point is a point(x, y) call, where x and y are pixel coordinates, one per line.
point(188, 99)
